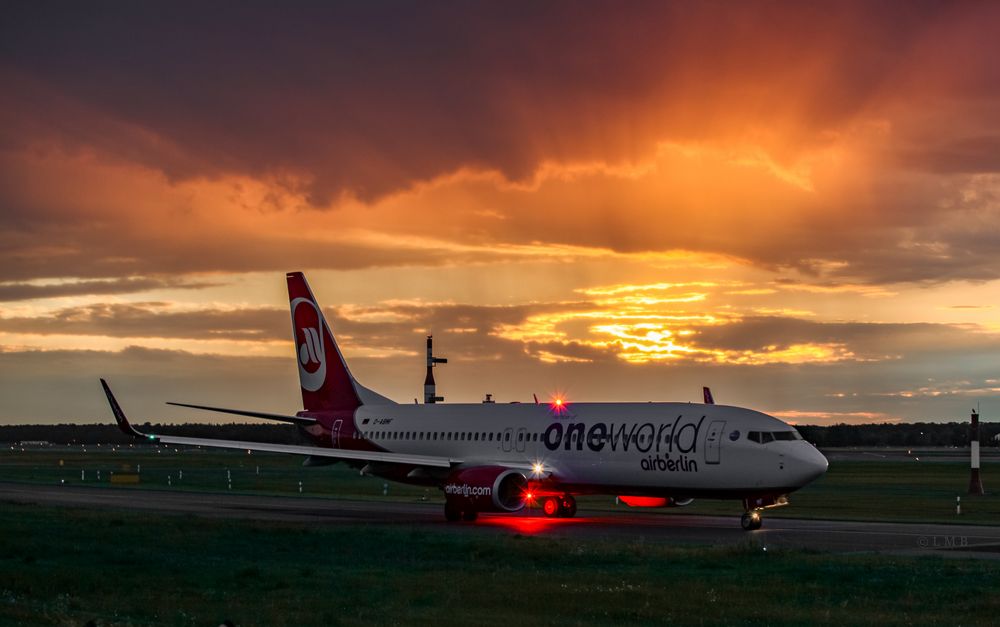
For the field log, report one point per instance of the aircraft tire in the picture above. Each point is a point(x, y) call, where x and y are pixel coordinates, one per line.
point(567, 508)
point(452, 513)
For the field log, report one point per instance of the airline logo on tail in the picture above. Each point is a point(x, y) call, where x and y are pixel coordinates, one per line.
point(309, 337)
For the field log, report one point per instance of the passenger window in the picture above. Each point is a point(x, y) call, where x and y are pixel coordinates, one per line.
point(491, 436)
point(477, 437)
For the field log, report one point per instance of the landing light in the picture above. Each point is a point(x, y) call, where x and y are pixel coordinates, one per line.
point(537, 468)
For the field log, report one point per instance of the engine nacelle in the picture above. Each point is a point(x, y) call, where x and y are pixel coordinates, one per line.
point(654, 501)
point(486, 489)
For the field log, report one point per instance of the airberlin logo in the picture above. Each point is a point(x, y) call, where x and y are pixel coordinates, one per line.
point(309, 337)
point(466, 490)
point(310, 349)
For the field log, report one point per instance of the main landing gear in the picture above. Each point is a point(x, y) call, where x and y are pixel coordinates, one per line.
point(751, 520)
point(559, 506)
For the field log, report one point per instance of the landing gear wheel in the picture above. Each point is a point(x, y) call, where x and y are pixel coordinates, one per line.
point(550, 506)
point(751, 520)
point(452, 513)
point(567, 508)
point(469, 516)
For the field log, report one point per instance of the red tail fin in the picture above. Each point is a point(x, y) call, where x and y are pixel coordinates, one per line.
point(326, 382)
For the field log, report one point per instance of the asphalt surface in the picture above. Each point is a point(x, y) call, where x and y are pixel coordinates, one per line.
point(776, 534)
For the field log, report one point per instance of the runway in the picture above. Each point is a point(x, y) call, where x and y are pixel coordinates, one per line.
point(657, 527)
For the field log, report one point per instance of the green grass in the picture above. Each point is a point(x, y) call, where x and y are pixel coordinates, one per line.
point(851, 490)
point(64, 566)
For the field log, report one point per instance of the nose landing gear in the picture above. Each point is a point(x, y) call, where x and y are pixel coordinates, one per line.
point(751, 520)
point(753, 508)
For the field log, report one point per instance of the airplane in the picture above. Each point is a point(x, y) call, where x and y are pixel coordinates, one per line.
point(502, 458)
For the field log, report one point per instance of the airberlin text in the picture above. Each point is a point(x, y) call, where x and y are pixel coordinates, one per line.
point(668, 446)
point(466, 490)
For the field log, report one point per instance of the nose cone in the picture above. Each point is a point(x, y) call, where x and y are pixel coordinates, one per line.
point(810, 464)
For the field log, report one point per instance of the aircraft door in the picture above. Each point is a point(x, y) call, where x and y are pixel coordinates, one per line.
point(713, 441)
point(508, 435)
point(522, 436)
point(335, 433)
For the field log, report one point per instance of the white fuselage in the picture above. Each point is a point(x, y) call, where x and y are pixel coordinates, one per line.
point(680, 449)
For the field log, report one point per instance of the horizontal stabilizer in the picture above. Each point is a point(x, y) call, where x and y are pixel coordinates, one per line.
point(299, 420)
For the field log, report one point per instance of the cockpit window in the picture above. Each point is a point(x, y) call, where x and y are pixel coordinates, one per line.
point(787, 435)
point(763, 437)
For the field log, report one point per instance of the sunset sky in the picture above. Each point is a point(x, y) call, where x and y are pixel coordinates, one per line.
point(796, 203)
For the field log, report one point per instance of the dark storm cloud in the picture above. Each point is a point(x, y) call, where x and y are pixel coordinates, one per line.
point(156, 320)
point(469, 329)
point(368, 98)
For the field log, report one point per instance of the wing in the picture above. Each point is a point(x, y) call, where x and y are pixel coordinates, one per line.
point(429, 461)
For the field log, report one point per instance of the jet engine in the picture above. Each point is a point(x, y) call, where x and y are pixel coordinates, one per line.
point(468, 491)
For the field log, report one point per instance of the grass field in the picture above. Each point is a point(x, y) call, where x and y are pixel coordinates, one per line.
point(851, 490)
point(67, 567)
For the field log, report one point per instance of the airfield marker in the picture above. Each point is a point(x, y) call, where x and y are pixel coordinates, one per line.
point(975, 481)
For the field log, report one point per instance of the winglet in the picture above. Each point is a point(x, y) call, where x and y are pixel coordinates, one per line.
point(123, 422)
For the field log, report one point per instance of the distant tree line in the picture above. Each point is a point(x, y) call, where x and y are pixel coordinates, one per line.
point(905, 434)
point(911, 434)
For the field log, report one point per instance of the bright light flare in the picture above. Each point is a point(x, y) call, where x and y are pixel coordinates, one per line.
point(559, 405)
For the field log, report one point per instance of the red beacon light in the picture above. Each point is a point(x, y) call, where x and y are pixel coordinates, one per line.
point(559, 405)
